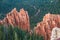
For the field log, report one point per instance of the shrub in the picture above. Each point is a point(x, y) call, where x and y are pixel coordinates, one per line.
point(15, 33)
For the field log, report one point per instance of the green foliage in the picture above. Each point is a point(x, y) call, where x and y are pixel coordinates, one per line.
point(14, 33)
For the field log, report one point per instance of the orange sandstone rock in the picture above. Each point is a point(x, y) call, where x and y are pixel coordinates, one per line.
point(20, 19)
point(45, 27)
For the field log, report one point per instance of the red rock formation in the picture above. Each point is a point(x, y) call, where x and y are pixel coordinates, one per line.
point(20, 19)
point(40, 29)
point(45, 27)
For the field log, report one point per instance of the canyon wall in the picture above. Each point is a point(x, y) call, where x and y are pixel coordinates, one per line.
point(15, 18)
point(45, 27)
point(21, 19)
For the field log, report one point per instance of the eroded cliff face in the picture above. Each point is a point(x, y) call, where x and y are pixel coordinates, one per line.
point(45, 27)
point(15, 18)
point(21, 19)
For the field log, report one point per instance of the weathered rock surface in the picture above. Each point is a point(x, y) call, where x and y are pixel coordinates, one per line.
point(45, 27)
point(20, 19)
